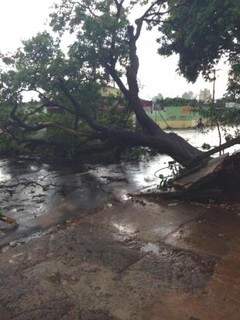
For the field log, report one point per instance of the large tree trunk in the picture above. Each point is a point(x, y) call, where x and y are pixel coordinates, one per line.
point(152, 135)
point(165, 143)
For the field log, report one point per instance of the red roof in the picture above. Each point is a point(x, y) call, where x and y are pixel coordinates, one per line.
point(146, 103)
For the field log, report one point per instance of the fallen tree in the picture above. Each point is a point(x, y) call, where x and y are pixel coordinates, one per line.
point(105, 47)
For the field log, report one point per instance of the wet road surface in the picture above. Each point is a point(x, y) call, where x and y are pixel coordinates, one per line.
point(131, 260)
point(84, 250)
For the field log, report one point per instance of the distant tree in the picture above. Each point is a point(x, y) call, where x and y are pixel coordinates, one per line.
point(188, 95)
point(234, 78)
point(158, 97)
point(179, 102)
point(157, 101)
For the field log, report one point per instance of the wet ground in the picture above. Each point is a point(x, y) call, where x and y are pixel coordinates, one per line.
point(39, 196)
point(84, 250)
point(133, 260)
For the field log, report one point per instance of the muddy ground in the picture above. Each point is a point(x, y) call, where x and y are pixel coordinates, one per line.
point(116, 258)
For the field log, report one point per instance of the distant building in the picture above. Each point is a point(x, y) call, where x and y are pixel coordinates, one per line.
point(205, 96)
point(147, 105)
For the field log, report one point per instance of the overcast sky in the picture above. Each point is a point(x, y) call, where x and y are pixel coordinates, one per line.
point(20, 19)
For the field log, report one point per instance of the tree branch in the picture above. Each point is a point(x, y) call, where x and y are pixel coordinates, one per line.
point(23, 124)
point(94, 125)
point(139, 22)
point(224, 146)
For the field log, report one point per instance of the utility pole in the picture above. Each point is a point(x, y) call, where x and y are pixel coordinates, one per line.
point(214, 86)
point(213, 103)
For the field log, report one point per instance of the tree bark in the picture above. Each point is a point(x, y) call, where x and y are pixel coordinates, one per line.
point(153, 136)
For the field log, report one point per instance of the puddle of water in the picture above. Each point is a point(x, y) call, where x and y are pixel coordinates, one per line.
point(146, 174)
point(4, 175)
point(151, 248)
point(124, 228)
point(67, 191)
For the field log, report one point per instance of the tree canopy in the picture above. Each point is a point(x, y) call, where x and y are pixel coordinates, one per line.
point(104, 36)
point(201, 32)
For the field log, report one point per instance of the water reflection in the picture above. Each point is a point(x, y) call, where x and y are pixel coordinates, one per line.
point(151, 248)
point(146, 175)
point(4, 175)
point(62, 192)
point(124, 228)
